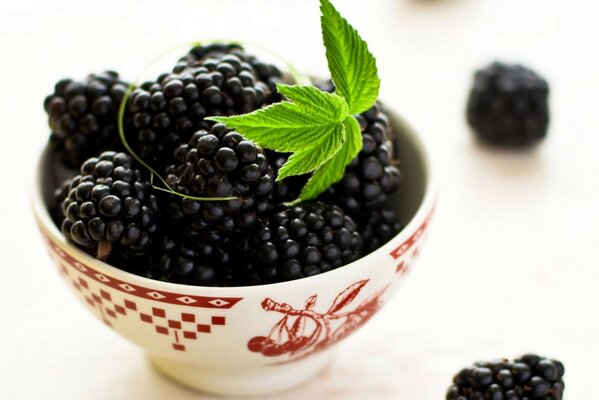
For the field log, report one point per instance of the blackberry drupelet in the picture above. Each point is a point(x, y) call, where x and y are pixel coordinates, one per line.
point(177, 262)
point(110, 210)
point(83, 116)
point(528, 377)
point(378, 227)
point(218, 163)
point(167, 112)
point(267, 73)
point(297, 242)
point(508, 105)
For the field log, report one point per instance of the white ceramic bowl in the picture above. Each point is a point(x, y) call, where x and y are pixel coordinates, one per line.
point(247, 340)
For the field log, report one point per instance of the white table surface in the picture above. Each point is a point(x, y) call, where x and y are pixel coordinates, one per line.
point(511, 265)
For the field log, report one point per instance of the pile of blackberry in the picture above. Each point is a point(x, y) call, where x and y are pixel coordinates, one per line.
point(528, 377)
point(111, 208)
point(508, 105)
point(215, 80)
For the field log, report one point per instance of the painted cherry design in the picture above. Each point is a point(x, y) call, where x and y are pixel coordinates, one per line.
point(307, 331)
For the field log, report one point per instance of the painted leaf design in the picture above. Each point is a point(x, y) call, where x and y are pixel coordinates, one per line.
point(311, 302)
point(347, 296)
point(297, 329)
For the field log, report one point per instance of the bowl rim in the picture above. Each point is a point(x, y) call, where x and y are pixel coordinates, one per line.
point(425, 208)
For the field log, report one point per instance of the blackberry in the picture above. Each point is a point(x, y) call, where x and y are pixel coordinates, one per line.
point(528, 377)
point(177, 262)
point(110, 210)
point(508, 105)
point(265, 72)
point(167, 112)
point(83, 116)
point(219, 163)
point(297, 242)
point(378, 227)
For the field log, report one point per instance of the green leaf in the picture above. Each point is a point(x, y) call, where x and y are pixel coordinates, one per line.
point(310, 126)
point(320, 151)
point(333, 107)
point(291, 127)
point(352, 66)
point(333, 170)
point(318, 127)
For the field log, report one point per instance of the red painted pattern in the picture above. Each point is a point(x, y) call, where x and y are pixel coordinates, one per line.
point(140, 291)
point(403, 248)
point(179, 326)
point(305, 331)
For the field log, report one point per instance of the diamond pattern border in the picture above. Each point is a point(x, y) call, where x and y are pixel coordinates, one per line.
point(140, 291)
point(179, 326)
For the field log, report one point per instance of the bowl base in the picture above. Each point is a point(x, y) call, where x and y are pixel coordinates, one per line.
point(251, 381)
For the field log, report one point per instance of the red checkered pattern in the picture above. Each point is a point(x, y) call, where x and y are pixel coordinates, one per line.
point(183, 326)
point(109, 300)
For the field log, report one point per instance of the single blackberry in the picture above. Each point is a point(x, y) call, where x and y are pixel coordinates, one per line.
point(508, 105)
point(218, 163)
point(297, 242)
point(265, 72)
point(167, 112)
point(177, 262)
point(378, 227)
point(527, 377)
point(110, 209)
point(83, 116)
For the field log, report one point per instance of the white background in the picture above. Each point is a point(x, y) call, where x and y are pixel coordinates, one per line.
point(512, 262)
